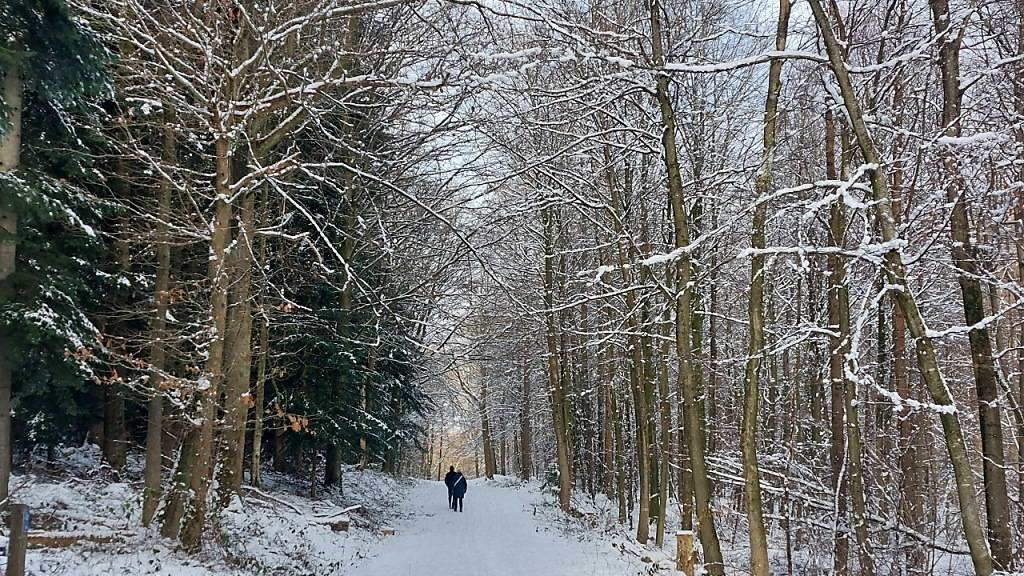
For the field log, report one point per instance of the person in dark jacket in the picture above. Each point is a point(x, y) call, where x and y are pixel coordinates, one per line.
point(459, 486)
point(449, 479)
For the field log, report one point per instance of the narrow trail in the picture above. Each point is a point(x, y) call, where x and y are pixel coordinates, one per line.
point(497, 535)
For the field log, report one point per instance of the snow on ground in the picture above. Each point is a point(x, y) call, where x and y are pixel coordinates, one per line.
point(509, 528)
point(276, 531)
point(505, 530)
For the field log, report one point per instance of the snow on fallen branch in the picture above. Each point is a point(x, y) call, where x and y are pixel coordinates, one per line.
point(337, 514)
point(271, 498)
point(68, 539)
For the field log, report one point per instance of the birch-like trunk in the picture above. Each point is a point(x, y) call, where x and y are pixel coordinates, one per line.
point(10, 156)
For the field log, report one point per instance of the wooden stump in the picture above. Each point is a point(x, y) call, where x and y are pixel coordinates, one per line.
point(18, 541)
point(684, 552)
point(340, 526)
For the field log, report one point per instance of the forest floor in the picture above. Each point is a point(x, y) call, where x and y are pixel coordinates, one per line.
point(278, 530)
point(508, 528)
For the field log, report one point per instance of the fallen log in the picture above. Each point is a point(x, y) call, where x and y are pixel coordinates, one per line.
point(68, 539)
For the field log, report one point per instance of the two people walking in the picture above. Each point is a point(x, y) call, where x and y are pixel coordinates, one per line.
point(457, 485)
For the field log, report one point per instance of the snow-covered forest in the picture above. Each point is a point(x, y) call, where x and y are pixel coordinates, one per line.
point(746, 268)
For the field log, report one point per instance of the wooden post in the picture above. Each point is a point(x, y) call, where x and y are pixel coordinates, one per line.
point(18, 541)
point(684, 552)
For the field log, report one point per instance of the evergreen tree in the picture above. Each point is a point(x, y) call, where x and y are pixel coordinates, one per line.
point(53, 72)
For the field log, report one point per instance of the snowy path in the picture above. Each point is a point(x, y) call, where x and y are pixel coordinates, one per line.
point(497, 535)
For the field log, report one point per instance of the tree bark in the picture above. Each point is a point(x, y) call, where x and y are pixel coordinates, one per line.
point(153, 471)
point(911, 501)
point(640, 406)
point(485, 426)
point(846, 446)
point(702, 484)
point(621, 495)
point(554, 376)
point(115, 435)
point(10, 156)
point(525, 432)
point(1020, 336)
point(255, 463)
point(238, 356)
point(896, 274)
point(665, 409)
point(613, 425)
point(965, 257)
point(213, 372)
point(755, 313)
point(837, 446)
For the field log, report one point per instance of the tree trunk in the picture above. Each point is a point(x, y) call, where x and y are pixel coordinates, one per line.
point(911, 502)
point(997, 502)
point(314, 459)
point(755, 312)
point(846, 453)
point(10, 156)
point(648, 382)
point(621, 494)
point(115, 435)
point(255, 464)
point(174, 507)
point(213, 373)
point(636, 377)
point(554, 376)
point(525, 433)
point(711, 388)
point(896, 275)
point(158, 332)
point(238, 356)
point(1020, 317)
point(702, 484)
point(837, 447)
point(607, 436)
point(665, 408)
point(502, 453)
point(485, 426)
point(616, 471)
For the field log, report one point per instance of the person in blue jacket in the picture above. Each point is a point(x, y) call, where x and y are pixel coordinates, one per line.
point(459, 486)
point(449, 478)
